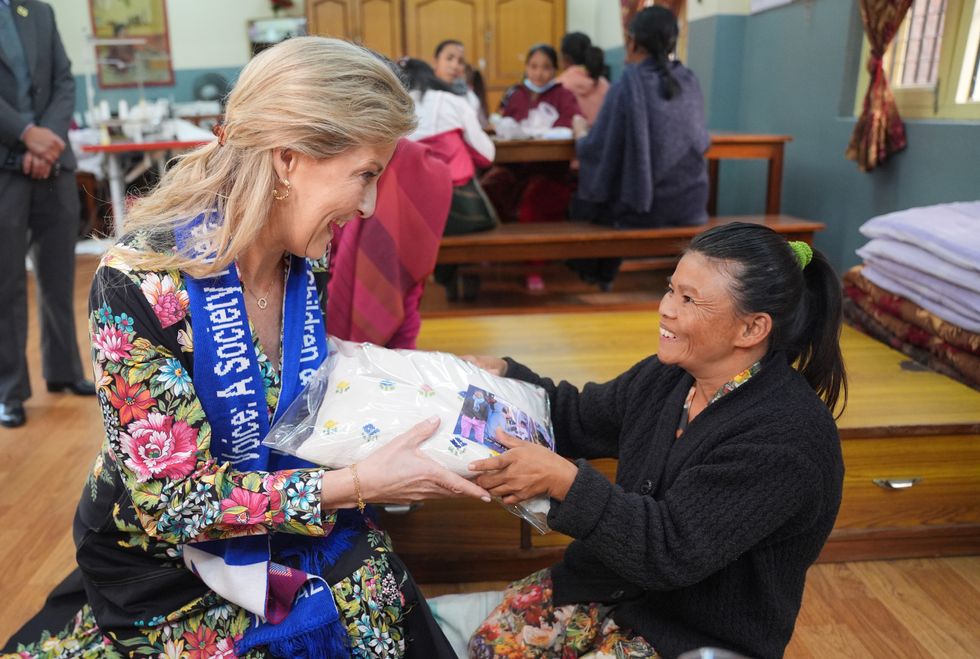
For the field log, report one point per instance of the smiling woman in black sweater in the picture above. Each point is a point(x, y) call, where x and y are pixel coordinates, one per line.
point(729, 476)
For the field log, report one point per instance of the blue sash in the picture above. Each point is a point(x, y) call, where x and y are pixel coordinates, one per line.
point(229, 384)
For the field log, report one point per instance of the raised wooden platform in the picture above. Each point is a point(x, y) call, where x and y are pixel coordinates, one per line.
point(565, 240)
point(911, 441)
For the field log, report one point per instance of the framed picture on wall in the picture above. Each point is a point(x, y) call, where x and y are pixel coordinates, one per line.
point(132, 42)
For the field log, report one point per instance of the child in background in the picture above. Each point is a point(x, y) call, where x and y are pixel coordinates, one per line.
point(540, 86)
point(450, 66)
point(539, 192)
point(584, 74)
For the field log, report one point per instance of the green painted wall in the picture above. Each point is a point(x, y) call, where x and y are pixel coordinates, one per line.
point(793, 70)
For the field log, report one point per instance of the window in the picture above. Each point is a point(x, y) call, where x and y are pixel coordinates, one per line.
point(933, 64)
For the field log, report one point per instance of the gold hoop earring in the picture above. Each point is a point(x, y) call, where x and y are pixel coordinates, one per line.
point(279, 196)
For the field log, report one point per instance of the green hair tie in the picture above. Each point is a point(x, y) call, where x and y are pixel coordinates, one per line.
point(804, 253)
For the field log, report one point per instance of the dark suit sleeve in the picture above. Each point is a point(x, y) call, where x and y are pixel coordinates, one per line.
point(58, 113)
point(12, 125)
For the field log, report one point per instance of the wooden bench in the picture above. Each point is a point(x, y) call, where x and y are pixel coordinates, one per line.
point(566, 240)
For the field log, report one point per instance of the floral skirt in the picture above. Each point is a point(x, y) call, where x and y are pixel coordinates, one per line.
point(528, 624)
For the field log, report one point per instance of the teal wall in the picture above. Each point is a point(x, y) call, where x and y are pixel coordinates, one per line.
point(182, 91)
point(793, 70)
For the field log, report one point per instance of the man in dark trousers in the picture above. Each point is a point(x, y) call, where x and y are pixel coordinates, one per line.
point(39, 211)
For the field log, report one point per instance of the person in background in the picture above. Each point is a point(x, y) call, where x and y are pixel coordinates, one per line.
point(194, 538)
point(729, 472)
point(40, 208)
point(379, 265)
point(538, 192)
point(449, 126)
point(449, 64)
point(584, 74)
point(642, 163)
point(540, 85)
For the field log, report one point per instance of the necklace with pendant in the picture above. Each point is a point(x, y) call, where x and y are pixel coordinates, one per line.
point(263, 301)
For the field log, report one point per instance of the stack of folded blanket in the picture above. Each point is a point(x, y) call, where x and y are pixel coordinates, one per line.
point(919, 287)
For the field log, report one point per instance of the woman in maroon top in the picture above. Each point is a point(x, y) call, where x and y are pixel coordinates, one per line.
point(539, 192)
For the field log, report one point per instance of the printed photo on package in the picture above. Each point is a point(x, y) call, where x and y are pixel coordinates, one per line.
point(483, 413)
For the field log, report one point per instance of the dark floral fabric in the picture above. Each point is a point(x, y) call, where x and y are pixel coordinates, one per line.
point(527, 624)
point(155, 486)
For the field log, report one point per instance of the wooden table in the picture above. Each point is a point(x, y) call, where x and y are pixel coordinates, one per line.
point(902, 423)
point(724, 146)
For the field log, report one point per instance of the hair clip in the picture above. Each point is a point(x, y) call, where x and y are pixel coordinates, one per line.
point(804, 253)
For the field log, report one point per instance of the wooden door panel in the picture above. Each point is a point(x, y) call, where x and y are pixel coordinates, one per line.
point(428, 22)
point(331, 18)
point(381, 26)
point(516, 26)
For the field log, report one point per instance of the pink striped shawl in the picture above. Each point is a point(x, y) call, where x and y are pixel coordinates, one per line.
point(379, 263)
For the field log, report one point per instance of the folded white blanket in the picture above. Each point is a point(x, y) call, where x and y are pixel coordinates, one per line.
point(950, 231)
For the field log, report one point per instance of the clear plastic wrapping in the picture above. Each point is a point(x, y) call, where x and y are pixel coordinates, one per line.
point(363, 396)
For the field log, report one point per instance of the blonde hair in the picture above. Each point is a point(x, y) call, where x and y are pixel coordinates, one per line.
point(313, 95)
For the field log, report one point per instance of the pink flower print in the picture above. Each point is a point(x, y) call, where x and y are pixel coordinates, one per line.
point(112, 343)
point(243, 508)
point(225, 648)
point(169, 303)
point(158, 447)
point(274, 485)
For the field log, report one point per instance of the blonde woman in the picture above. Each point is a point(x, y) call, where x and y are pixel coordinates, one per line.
point(191, 536)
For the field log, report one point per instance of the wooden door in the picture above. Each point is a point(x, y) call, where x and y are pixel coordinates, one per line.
point(380, 26)
point(331, 18)
point(428, 22)
point(515, 26)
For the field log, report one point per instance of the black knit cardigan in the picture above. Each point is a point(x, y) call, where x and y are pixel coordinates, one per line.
point(703, 540)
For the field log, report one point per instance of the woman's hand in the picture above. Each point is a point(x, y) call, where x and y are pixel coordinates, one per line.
point(580, 127)
point(494, 365)
point(524, 471)
point(400, 473)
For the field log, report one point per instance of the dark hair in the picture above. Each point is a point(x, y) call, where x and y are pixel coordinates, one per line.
point(804, 303)
point(547, 50)
point(447, 42)
point(418, 75)
point(655, 29)
point(475, 80)
point(578, 47)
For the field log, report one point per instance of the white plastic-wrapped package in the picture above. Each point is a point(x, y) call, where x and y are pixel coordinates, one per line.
point(363, 396)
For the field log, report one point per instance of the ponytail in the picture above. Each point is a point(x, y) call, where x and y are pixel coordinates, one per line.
point(669, 87)
point(819, 359)
point(655, 30)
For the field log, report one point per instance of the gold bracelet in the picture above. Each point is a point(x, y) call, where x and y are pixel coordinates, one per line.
point(357, 488)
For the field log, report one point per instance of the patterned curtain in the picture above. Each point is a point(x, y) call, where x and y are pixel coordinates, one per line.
point(629, 9)
point(879, 131)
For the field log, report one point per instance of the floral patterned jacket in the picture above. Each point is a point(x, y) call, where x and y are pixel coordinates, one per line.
point(155, 486)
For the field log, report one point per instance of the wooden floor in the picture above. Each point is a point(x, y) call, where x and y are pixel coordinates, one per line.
point(912, 608)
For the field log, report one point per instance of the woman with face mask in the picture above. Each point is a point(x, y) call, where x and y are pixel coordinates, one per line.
point(538, 192)
point(540, 85)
